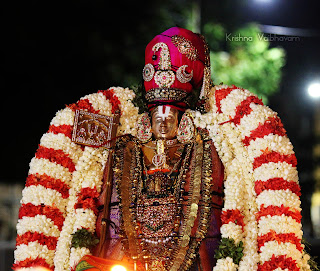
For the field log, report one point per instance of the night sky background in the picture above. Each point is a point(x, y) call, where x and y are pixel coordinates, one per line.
point(56, 52)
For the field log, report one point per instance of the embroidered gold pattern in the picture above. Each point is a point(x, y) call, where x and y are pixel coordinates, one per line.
point(167, 94)
point(94, 130)
point(164, 77)
point(165, 59)
point(207, 81)
point(143, 126)
point(185, 47)
point(157, 224)
point(148, 72)
point(186, 130)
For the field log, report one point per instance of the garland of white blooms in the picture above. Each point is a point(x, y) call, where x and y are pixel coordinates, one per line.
point(240, 178)
point(89, 172)
point(239, 183)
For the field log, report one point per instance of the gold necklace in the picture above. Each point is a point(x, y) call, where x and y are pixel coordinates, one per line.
point(161, 146)
point(160, 158)
point(177, 252)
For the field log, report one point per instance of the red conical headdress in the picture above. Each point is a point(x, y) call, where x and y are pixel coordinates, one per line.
point(176, 62)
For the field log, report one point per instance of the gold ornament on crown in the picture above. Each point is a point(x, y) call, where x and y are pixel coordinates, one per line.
point(164, 77)
point(185, 47)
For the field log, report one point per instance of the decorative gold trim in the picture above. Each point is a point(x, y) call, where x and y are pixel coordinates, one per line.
point(164, 79)
point(205, 208)
point(124, 159)
point(167, 94)
point(192, 207)
point(185, 47)
point(183, 248)
point(143, 126)
point(165, 59)
point(186, 130)
point(148, 72)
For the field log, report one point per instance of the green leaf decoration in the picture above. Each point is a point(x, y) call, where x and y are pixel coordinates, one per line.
point(139, 99)
point(228, 248)
point(83, 265)
point(313, 259)
point(83, 238)
point(313, 263)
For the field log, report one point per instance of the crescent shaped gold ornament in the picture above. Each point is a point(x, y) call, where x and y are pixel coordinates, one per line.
point(182, 75)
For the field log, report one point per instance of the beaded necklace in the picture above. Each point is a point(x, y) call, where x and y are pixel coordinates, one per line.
point(164, 243)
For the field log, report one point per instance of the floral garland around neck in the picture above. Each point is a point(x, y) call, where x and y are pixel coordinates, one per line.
point(63, 183)
point(261, 209)
point(261, 214)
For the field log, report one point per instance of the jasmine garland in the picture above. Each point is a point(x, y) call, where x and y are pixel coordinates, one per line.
point(261, 208)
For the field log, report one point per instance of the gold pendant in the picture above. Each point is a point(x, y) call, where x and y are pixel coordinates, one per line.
point(157, 266)
point(159, 160)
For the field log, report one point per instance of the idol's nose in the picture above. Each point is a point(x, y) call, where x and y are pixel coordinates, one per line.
point(163, 124)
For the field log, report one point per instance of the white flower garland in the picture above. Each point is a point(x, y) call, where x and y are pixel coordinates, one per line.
point(89, 165)
point(89, 172)
point(40, 224)
point(241, 176)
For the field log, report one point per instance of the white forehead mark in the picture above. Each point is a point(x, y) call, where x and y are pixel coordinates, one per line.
point(163, 113)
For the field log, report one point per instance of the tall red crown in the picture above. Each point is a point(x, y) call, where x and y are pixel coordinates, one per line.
point(176, 62)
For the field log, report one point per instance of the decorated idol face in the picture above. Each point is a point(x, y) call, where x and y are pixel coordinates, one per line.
point(165, 120)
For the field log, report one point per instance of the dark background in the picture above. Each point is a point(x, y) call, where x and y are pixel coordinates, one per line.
point(57, 52)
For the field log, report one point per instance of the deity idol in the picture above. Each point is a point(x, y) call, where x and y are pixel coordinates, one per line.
point(180, 189)
point(169, 177)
